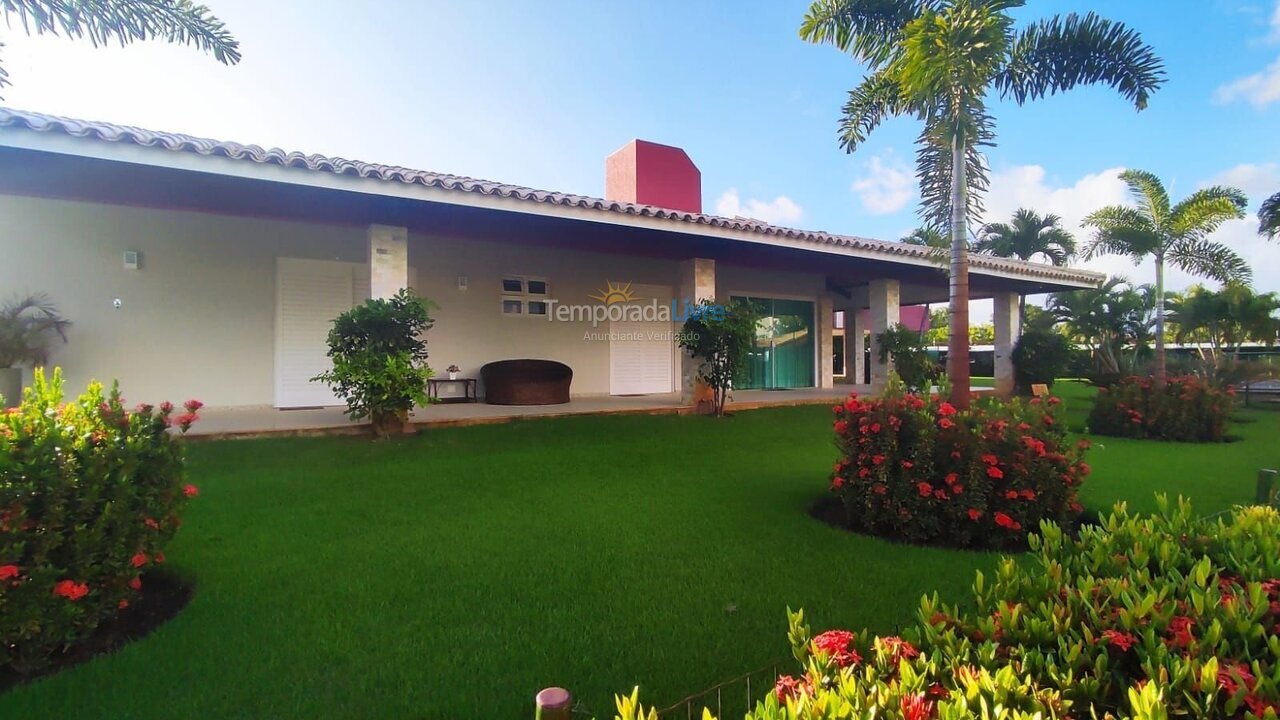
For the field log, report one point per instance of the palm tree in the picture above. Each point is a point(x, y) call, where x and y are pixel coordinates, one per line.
point(1028, 236)
point(1109, 319)
point(939, 61)
point(1269, 217)
point(123, 21)
point(1177, 234)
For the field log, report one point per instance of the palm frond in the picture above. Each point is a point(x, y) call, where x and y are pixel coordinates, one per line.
point(1060, 53)
point(1120, 230)
point(1211, 259)
point(1205, 210)
point(869, 104)
point(867, 29)
point(1147, 190)
point(1269, 217)
point(933, 169)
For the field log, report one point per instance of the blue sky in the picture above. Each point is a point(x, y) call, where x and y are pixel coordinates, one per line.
point(539, 93)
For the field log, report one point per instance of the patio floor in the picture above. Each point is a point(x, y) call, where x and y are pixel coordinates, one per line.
point(224, 422)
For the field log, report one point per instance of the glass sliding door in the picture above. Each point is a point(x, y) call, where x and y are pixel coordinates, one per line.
point(783, 354)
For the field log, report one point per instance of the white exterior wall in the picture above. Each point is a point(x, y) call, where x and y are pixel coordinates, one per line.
point(198, 318)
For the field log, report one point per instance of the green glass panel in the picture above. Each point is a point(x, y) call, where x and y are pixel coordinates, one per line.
point(782, 355)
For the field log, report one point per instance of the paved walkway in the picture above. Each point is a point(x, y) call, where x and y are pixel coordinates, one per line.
point(252, 421)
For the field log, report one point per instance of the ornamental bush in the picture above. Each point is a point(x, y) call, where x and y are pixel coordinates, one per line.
point(1143, 617)
point(920, 470)
point(1040, 356)
point(90, 495)
point(1187, 409)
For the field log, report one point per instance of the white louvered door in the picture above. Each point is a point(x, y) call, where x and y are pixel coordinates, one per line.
point(309, 295)
point(640, 352)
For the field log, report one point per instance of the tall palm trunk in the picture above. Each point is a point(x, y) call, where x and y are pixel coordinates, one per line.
point(958, 342)
point(1161, 369)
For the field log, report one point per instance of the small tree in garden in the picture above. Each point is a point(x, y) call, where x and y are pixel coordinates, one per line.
point(910, 359)
point(1041, 356)
point(380, 360)
point(720, 338)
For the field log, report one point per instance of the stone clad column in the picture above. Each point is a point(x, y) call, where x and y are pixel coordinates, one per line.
point(826, 341)
point(1005, 317)
point(884, 315)
point(697, 283)
point(855, 346)
point(388, 260)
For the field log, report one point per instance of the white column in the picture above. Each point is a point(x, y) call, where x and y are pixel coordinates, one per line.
point(855, 344)
point(884, 315)
point(1005, 317)
point(826, 341)
point(388, 260)
point(697, 283)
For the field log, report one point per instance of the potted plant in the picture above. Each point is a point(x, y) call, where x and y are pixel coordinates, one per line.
point(453, 371)
point(28, 326)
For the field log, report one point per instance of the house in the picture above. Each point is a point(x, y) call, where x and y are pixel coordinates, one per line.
point(199, 268)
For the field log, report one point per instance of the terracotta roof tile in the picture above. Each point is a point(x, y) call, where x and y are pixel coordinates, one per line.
point(177, 142)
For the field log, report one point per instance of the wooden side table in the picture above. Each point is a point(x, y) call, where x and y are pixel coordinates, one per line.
point(468, 390)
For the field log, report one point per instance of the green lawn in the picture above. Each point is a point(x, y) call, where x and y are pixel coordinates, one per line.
point(456, 573)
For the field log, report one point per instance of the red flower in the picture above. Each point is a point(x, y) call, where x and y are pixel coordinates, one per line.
point(166, 407)
point(1230, 673)
point(908, 464)
point(138, 560)
point(71, 590)
point(1122, 640)
point(875, 427)
point(837, 482)
point(1083, 469)
point(1007, 522)
point(1028, 494)
point(864, 473)
point(916, 707)
point(841, 426)
point(974, 514)
point(946, 424)
point(1011, 495)
point(836, 409)
point(191, 491)
point(1180, 631)
point(788, 687)
point(159, 557)
point(951, 478)
point(879, 489)
point(186, 420)
point(899, 648)
point(151, 523)
point(123, 604)
point(1048, 419)
point(192, 405)
point(941, 494)
point(136, 583)
point(877, 459)
point(8, 571)
point(835, 645)
point(925, 489)
point(990, 459)
point(995, 472)
point(946, 409)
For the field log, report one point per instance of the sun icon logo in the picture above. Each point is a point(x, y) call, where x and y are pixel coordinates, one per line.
point(614, 293)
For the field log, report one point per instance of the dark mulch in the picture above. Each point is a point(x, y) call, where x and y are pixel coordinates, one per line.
point(830, 510)
point(164, 595)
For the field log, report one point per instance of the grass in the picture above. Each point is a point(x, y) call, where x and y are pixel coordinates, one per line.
point(456, 573)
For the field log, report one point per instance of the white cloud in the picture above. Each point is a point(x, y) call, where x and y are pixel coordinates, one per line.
point(1274, 37)
point(886, 186)
point(779, 210)
point(1259, 89)
point(1027, 186)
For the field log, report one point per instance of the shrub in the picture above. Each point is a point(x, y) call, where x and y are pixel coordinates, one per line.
point(1144, 617)
point(1186, 409)
point(90, 495)
point(379, 360)
point(1041, 356)
point(984, 477)
point(910, 358)
point(720, 338)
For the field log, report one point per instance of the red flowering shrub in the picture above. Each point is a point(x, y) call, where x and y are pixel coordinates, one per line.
point(90, 493)
point(1188, 409)
point(923, 471)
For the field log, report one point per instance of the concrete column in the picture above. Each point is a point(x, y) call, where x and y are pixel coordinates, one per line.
point(826, 341)
point(697, 283)
point(1005, 317)
point(855, 347)
point(388, 260)
point(884, 315)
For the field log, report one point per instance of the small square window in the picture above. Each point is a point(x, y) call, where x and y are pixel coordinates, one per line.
point(512, 285)
point(537, 287)
point(537, 307)
point(512, 307)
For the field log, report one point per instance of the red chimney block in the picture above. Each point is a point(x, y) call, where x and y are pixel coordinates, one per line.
point(651, 174)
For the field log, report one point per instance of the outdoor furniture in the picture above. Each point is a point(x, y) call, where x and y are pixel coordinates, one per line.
point(468, 390)
point(526, 382)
